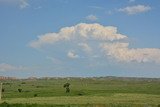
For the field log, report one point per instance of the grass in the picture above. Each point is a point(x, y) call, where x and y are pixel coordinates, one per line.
point(70, 105)
point(115, 98)
point(112, 92)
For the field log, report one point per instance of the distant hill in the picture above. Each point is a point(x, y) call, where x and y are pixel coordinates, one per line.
point(92, 78)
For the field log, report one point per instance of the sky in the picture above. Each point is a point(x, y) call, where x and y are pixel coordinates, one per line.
point(79, 38)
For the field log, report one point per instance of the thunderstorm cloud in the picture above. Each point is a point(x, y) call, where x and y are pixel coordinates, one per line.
point(89, 40)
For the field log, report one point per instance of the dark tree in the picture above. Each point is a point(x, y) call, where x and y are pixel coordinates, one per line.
point(2, 89)
point(19, 90)
point(66, 85)
point(35, 95)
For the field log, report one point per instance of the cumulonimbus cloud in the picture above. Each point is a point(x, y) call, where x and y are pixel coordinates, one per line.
point(106, 38)
point(71, 54)
point(81, 31)
point(85, 47)
point(122, 52)
point(135, 9)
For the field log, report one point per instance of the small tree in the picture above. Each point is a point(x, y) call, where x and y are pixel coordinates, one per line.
point(35, 95)
point(19, 90)
point(2, 89)
point(66, 85)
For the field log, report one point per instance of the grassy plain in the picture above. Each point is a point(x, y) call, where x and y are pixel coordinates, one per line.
point(85, 92)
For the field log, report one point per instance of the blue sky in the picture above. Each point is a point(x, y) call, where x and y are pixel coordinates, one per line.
point(80, 38)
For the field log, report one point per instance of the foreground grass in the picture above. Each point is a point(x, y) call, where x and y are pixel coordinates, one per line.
point(115, 99)
point(85, 92)
point(74, 105)
point(84, 87)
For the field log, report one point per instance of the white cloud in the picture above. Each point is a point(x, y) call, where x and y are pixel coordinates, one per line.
point(71, 54)
point(85, 47)
point(91, 17)
point(122, 52)
point(135, 9)
point(87, 40)
point(80, 31)
point(8, 67)
point(23, 4)
point(20, 3)
point(48, 38)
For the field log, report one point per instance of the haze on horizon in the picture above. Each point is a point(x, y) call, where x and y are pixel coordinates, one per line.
point(79, 38)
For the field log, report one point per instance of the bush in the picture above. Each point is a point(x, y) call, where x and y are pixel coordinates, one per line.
point(2, 89)
point(19, 90)
point(7, 83)
point(4, 104)
point(23, 83)
point(81, 93)
point(35, 95)
point(39, 86)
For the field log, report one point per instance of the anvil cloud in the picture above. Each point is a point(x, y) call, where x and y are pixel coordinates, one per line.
point(108, 40)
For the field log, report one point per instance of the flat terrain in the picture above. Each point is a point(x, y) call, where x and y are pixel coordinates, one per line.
point(109, 91)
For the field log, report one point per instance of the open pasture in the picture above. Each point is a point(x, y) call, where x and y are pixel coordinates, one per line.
point(84, 92)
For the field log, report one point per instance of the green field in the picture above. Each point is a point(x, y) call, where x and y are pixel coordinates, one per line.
point(85, 92)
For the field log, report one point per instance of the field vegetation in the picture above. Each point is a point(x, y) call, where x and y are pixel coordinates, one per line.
point(84, 92)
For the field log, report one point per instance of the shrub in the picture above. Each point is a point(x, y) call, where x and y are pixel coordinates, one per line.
point(81, 93)
point(7, 83)
point(23, 83)
point(66, 85)
point(39, 86)
point(2, 89)
point(4, 104)
point(35, 95)
point(19, 90)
